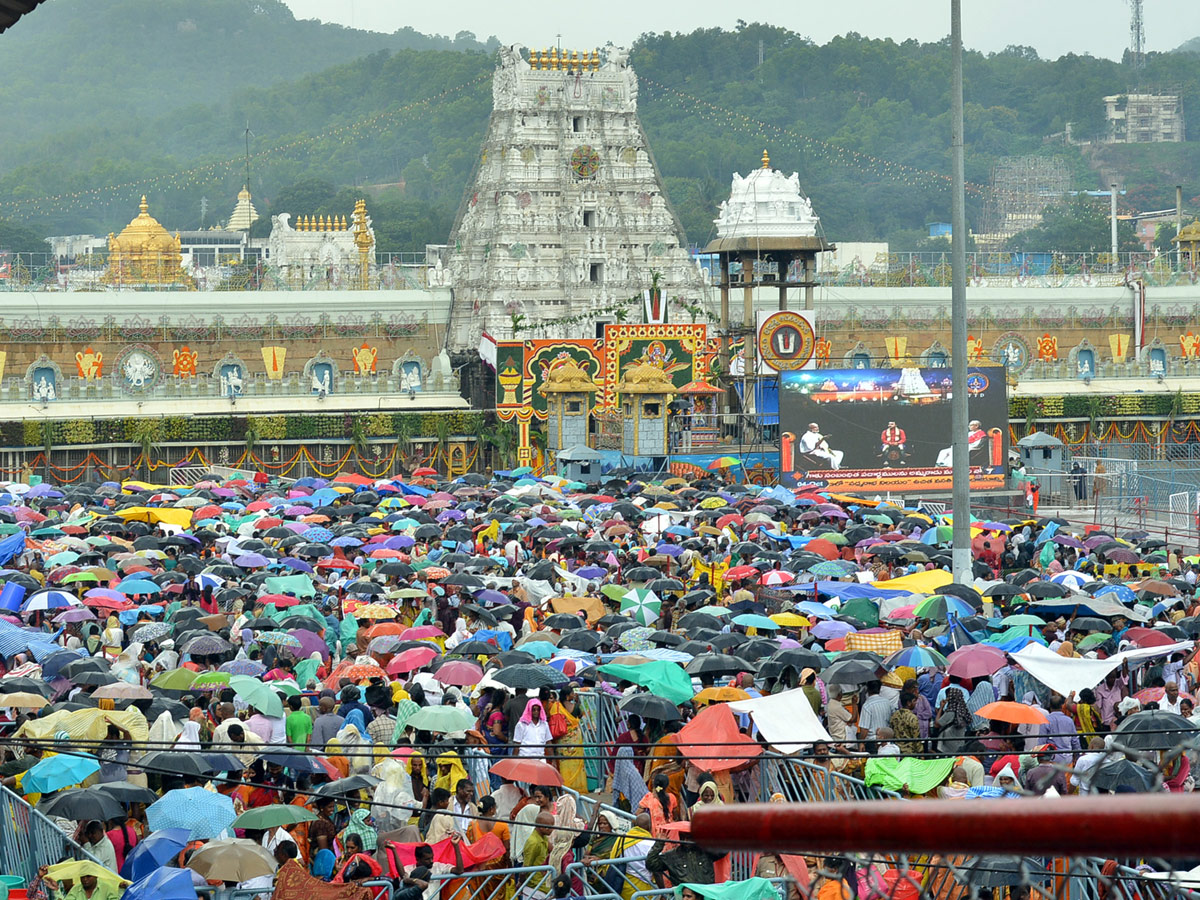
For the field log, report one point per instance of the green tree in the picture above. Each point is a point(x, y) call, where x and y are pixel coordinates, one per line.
point(1081, 224)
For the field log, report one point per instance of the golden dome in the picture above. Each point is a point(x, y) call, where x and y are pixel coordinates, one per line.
point(145, 253)
point(645, 379)
point(145, 233)
point(1188, 234)
point(568, 377)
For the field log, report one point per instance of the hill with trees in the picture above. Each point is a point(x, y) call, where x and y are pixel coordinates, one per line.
point(864, 121)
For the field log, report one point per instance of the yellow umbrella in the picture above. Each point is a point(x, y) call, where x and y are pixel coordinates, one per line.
point(712, 503)
point(23, 700)
point(720, 695)
point(75, 869)
point(375, 611)
point(790, 620)
point(708, 529)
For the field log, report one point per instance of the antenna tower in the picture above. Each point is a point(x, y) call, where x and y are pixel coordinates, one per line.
point(1137, 36)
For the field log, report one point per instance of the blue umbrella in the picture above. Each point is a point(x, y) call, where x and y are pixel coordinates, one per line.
point(1122, 593)
point(251, 561)
point(317, 534)
point(163, 884)
point(539, 649)
point(57, 772)
point(750, 620)
point(50, 600)
point(204, 814)
point(812, 609)
point(831, 568)
point(153, 852)
point(345, 540)
point(133, 586)
point(915, 658)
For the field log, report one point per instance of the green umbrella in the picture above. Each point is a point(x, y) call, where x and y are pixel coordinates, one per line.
point(862, 609)
point(641, 605)
point(174, 680)
point(80, 576)
point(442, 719)
point(263, 817)
point(614, 591)
point(1092, 640)
point(206, 679)
point(284, 687)
point(666, 679)
point(522, 470)
point(9, 528)
point(258, 694)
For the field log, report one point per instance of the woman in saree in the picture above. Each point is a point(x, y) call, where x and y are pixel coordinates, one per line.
point(568, 746)
point(660, 804)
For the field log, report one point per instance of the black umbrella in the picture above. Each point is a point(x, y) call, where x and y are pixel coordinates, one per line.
point(587, 641)
point(718, 664)
point(427, 532)
point(179, 763)
point(530, 676)
point(666, 639)
point(1153, 729)
point(1003, 590)
point(695, 620)
point(1000, 871)
point(725, 641)
point(1122, 773)
point(663, 585)
point(81, 804)
point(347, 787)
point(852, 671)
point(1090, 623)
point(22, 684)
point(564, 622)
point(1047, 590)
point(94, 678)
point(964, 592)
point(799, 658)
point(642, 573)
point(611, 619)
point(364, 587)
point(125, 792)
point(84, 664)
point(512, 658)
point(650, 706)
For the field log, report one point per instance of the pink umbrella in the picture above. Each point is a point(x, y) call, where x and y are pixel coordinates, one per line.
point(902, 612)
point(976, 661)
point(421, 632)
point(458, 673)
point(410, 659)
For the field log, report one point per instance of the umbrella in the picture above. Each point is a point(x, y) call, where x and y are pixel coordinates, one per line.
point(642, 605)
point(262, 818)
point(23, 700)
point(258, 694)
point(851, 671)
point(527, 771)
point(204, 813)
point(750, 620)
point(460, 673)
point(1122, 772)
point(529, 677)
point(179, 762)
point(348, 787)
point(81, 804)
point(1013, 713)
point(154, 851)
point(1000, 871)
point(1153, 729)
point(56, 772)
point(650, 706)
point(717, 664)
point(231, 859)
point(411, 659)
point(125, 792)
point(976, 661)
point(918, 657)
point(445, 719)
point(162, 884)
point(941, 607)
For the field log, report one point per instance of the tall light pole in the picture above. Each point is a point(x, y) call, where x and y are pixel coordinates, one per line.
point(959, 416)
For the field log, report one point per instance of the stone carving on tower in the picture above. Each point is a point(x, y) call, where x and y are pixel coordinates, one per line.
point(565, 220)
point(324, 248)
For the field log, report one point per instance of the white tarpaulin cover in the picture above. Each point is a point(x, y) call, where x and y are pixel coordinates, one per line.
point(785, 720)
point(1065, 675)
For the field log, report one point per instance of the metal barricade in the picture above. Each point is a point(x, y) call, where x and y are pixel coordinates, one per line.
point(29, 840)
point(599, 724)
point(802, 781)
point(609, 876)
point(493, 884)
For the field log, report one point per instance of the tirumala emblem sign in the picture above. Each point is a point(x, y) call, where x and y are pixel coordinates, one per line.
point(1012, 351)
point(585, 161)
point(138, 369)
point(786, 341)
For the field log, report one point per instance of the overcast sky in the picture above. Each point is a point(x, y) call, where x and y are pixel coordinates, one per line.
point(1053, 27)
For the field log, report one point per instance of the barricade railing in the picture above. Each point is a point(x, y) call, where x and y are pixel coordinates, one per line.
point(494, 884)
point(670, 892)
point(29, 840)
point(610, 876)
point(802, 781)
point(599, 724)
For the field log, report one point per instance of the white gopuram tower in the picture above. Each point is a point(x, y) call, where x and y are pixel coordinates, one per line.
point(565, 219)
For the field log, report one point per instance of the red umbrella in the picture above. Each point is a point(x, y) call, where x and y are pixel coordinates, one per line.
point(822, 548)
point(207, 512)
point(279, 600)
point(1148, 637)
point(742, 572)
point(976, 661)
point(529, 771)
point(459, 673)
point(425, 472)
point(412, 658)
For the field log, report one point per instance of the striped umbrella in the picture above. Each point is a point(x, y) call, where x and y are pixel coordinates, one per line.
point(44, 600)
point(642, 605)
point(278, 638)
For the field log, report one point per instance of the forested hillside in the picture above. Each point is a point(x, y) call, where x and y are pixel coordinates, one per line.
point(864, 121)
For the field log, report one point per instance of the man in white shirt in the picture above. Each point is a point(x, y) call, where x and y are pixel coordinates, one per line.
point(1171, 700)
point(461, 806)
point(813, 443)
point(96, 842)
